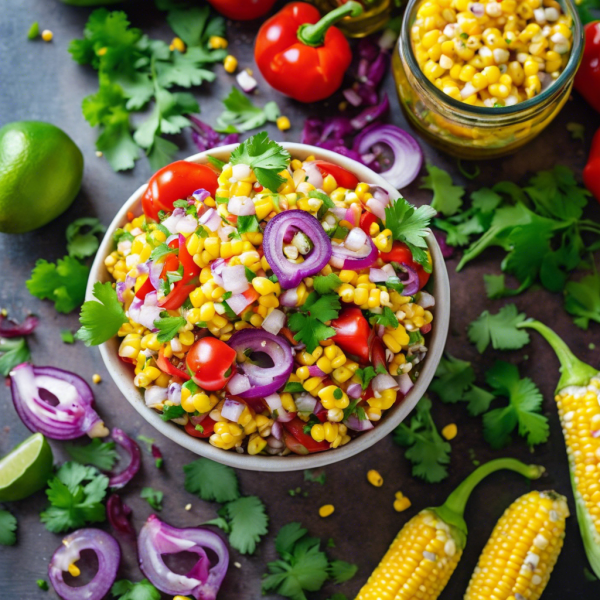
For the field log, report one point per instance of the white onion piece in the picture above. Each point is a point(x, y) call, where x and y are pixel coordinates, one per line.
point(426, 300)
point(283, 416)
point(171, 222)
point(274, 442)
point(289, 297)
point(234, 279)
point(354, 390)
point(376, 208)
point(376, 275)
point(405, 384)
point(389, 270)
point(225, 231)
point(314, 175)
point(174, 393)
point(274, 402)
point(232, 410)
point(211, 219)
point(274, 322)
point(277, 430)
point(155, 395)
point(242, 206)
point(238, 384)
point(246, 81)
point(356, 239)
point(306, 403)
point(186, 225)
point(238, 302)
point(356, 424)
point(384, 381)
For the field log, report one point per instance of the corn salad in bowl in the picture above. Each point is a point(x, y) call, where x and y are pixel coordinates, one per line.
point(274, 322)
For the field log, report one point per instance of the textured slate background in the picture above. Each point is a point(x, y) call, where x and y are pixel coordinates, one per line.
point(40, 81)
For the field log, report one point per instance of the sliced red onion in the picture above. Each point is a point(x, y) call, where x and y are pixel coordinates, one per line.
point(352, 97)
point(10, 328)
point(283, 416)
point(234, 279)
point(211, 219)
point(314, 175)
point(377, 70)
point(203, 580)
point(380, 194)
point(174, 393)
point(376, 275)
point(305, 403)
point(264, 381)
point(246, 81)
point(133, 450)
point(225, 232)
point(232, 409)
point(238, 303)
point(238, 384)
point(356, 424)
point(277, 431)
point(241, 206)
point(108, 552)
point(154, 272)
point(216, 268)
point(155, 395)
point(404, 383)
point(290, 274)
point(367, 116)
point(383, 381)
point(342, 258)
point(201, 195)
point(368, 95)
point(354, 391)
point(356, 239)
point(274, 321)
point(118, 514)
point(205, 137)
point(289, 297)
point(273, 401)
point(410, 279)
point(70, 418)
point(315, 371)
point(408, 156)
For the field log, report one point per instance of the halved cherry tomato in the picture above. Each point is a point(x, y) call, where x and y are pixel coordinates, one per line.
point(295, 428)
point(174, 182)
point(166, 366)
point(207, 424)
point(343, 177)
point(190, 268)
point(212, 362)
point(352, 333)
point(377, 354)
point(177, 296)
point(366, 220)
point(146, 288)
point(401, 254)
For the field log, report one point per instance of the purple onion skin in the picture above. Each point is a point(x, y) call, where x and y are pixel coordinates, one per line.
point(367, 116)
point(440, 236)
point(126, 475)
point(410, 280)
point(10, 328)
point(206, 138)
point(118, 514)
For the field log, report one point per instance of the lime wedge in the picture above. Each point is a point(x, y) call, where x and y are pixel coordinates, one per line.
point(25, 469)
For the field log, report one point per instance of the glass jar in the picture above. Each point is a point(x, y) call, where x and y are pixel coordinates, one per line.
point(475, 132)
point(376, 14)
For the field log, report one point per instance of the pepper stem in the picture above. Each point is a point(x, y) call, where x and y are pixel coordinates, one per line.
point(453, 509)
point(314, 35)
point(573, 371)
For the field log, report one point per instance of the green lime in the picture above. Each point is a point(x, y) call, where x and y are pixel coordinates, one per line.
point(40, 174)
point(25, 469)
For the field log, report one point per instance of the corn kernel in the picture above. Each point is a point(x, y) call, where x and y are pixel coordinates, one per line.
point(450, 431)
point(230, 63)
point(374, 478)
point(47, 35)
point(96, 378)
point(283, 123)
point(326, 510)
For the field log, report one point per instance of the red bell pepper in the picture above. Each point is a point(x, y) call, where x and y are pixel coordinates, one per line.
point(295, 429)
point(366, 220)
point(177, 296)
point(343, 177)
point(352, 333)
point(146, 288)
point(166, 366)
point(587, 79)
point(591, 172)
point(301, 56)
point(244, 10)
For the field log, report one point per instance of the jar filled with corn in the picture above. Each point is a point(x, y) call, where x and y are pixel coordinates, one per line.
point(375, 15)
point(480, 79)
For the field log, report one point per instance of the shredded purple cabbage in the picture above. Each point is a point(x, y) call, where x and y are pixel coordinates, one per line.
point(206, 138)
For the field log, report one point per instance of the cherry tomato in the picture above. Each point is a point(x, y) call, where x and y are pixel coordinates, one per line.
point(175, 182)
point(377, 354)
point(242, 11)
point(352, 333)
point(401, 254)
point(366, 220)
point(207, 424)
point(212, 362)
point(190, 268)
point(166, 366)
point(295, 429)
point(343, 177)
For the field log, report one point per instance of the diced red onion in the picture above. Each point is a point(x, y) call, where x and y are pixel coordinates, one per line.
point(383, 381)
point(211, 219)
point(314, 175)
point(71, 418)
point(274, 321)
point(355, 239)
point(319, 408)
point(426, 300)
point(338, 212)
point(277, 430)
point(241, 206)
point(205, 137)
point(203, 581)
point(342, 258)
point(187, 225)
point(389, 270)
point(380, 194)
point(290, 274)
point(264, 381)
point(380, 331)
point(232, 409)
point(171, 222)
point(376, 275)
point(133, 450)
point(155, 395)
point(216, 268)
point(201, 195)
point(426, 328)
point(143, 312)
point(246, 81)
point(273, 401)
point(275, 444)
point(225, 232)
point(143, 268)
point(118, 514)
point(234, 279)
point(367, 116)
point(389, 355)
point(154, 273)
point(289, 297)
point(10, 328)
point(352, 97)
point(174, 393)
point(283, 416)
point(410, 279)
point(238, 303)
point(315, 371)
point(109, 555)
point(238, 384)
point(404, 383)
point(120, 288)
point(354, 391)
point(356, 424)
point(305, 403)
point(376, 208)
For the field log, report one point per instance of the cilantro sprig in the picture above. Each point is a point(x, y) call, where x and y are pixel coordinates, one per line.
point(128, 590)
point(99, 454)
point(242, 115)
point(447, 197)
point(8, 526)
point(308, 323)
point(499, 329)
point(168, 326)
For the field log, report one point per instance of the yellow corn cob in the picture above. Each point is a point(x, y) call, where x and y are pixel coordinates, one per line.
point(518, 559)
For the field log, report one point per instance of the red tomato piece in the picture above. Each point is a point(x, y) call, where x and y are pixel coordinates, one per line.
point(352, 333)
point(401, 254)
point(295, 428)
point(366, 220)
point(377, 354)
point(207, 424)
point(166, 366)
point(343, 177)
point(212, 362)
point(146, 288)
point(178, 295)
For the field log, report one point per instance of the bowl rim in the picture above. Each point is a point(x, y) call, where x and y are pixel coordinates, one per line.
point(121, 373)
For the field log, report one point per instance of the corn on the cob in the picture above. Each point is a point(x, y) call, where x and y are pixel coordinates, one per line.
point(425, 553)
point(578, 400)
point(518, 559)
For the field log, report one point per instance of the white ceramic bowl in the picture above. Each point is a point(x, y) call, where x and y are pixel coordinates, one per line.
point(122, 373)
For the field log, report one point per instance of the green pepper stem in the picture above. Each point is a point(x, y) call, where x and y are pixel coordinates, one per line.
point(453, 509)
point(573, 371)
point(314, 35)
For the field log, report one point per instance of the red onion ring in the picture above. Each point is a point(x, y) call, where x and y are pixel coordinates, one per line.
point(342, 258)
point(10, 328)
point(410, 279)
point(126, 475)
point(71, 418)
point(290, 274)
point(109, 555)
point(203, 581)
point(118, 515)
point(264, 381)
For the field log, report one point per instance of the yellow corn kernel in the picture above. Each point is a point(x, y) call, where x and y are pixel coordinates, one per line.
point(47, 35)
point(302, 373)
point(391, 343)
point(348, 276)
point(96, 378)
point(269, 301)
point(342, 374)
point(207, 311)
point(74, 570)
point(287, 401)
point(317, 433)
point(283, 123)
point(384, 241)
point(533, 86)
point(186, 338)
point(197, 298)
point(374, 478)
point(256, 444)
point(216, 42)
point(326, 510)
point(263, 285)
point(450, 431)
point(311, 384)
point(401, 503)
point(230, 63)
point(177, 44)
point(331, 431)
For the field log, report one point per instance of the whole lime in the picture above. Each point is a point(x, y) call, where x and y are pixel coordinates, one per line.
point(40, 174)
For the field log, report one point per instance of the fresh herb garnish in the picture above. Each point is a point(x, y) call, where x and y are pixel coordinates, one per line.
point(211, 481)
point(367, 374)
point(174, 411)
point(250, 274)
point(387, 318)
point(128, 590)
point(161, 250)
point(97, 453)
point(447, 197)
point(310, 476)
point(241, 115)
point(153, 497)
point(168, 326)
point(293, 387)
point(326, 284)
point(82, 240)
point(13, 352)
point(246, 224)
point(308, 322)
point(8, 526)
point(499, 329)
point(67, 336)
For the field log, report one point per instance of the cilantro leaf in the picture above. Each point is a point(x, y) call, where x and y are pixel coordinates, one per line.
point(499, 329)
point(67, 336)
point(325, 284)
point(293, 387)
point(75, 494)
point(265, 157)
point(168, 327)
point(387, 318)
point(153, 497)
point(63, 283)
point(288, 536)
point(478, 399)
point(428, 452)
point(160, 251)
point(196, 25)
point(524, 407)
point(309, 322)
point(242, 115)
point(582, 299)
point(82, 245)
point(128, 590)
point(211, 481)
point(310, 476)
point(247, 521)
point(8, 526)
point(340, 571)
point(174, 411)
point(495, 286)
point(247, 224)
point(485, 200)
point(101, 320)
point(97, 453)
point(452, 378)
point(14, 352)
point(367, 374)
point(447, 198)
